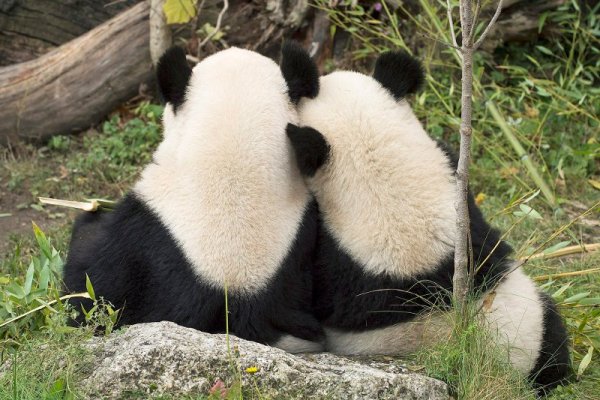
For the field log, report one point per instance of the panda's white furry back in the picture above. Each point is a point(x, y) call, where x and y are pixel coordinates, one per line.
point(222, 205)
point(384, 261)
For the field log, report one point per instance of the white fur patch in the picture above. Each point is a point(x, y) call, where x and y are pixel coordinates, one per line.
point(293, 344)
point(225, 181)
point(401, 339)
point(387, 192)
point(516, 316)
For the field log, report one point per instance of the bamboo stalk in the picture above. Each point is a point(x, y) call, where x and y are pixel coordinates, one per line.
point(104, 204)
point(584, 248)
point(89, 205)
point(523, 156)
point(80, 205)
point(566, 274)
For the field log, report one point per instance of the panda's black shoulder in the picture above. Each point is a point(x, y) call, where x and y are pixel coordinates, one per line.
point(449, 152)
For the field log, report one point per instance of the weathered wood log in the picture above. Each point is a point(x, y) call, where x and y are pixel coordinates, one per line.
point(78, 83)
point(30, 28)
point(519, 22)
point(258, 25)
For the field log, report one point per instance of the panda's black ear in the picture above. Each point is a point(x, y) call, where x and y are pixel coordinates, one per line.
point(399, 72)
point(173, 75)
point(310, 147)
point(300, 72)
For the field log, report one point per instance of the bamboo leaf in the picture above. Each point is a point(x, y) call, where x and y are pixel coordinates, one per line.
point(595, 184)
point(15, 291)
point(561, 290)
point(557, 246)
point(585, 362)
point(28, 279)
point(44, 278)
point(576, 297)
point(89, 287)
point(533, 196)
point(42, 241)
point(590, 301)
point(527, 211)
point(545, 50)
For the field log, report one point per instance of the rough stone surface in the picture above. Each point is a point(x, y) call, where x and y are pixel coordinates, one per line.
point(164, 358)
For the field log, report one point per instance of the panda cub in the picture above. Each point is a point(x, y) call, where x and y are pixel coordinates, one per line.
point(221, 206)
point(386, 194)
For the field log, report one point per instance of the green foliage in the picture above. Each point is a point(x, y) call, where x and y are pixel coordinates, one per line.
point(547, 91)
point(38, 287)
point(59, 143)
point(123, 146)
point(32, 302)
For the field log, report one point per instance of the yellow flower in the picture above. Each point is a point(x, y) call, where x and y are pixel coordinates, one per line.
point(480, 198)
point(252, 370)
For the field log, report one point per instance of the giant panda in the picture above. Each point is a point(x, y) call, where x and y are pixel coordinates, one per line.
point(384, 262)
point(221, 209)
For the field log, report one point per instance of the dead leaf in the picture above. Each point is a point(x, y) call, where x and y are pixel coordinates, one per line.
point(594, 183)
point(488, 300)
point(531, 112)
point(480, 198)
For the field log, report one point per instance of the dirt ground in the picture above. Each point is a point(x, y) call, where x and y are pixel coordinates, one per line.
point(16, 217)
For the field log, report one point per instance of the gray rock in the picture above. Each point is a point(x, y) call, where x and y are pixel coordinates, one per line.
point(164, 358)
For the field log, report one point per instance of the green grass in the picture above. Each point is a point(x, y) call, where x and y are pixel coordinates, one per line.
point(472, 365)
point(45, 367)
point(545, 91)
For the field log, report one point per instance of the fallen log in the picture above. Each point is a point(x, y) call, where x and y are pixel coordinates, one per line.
point(30, 28)
point(78, 83)
point(520, 22)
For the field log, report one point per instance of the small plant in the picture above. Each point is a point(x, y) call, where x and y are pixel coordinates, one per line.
point(40, 286)
point(32, 303)
point(59, 143)
point(472, 363)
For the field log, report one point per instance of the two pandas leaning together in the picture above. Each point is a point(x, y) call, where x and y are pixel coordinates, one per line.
point(319, 203)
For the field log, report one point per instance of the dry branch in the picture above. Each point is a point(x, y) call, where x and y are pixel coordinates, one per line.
point(567, 251)
point(78, 83)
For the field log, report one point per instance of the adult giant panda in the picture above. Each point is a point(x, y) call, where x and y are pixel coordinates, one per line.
point(221, 206)
point(386, 194)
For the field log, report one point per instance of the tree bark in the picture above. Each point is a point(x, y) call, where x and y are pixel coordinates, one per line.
point(160, 33)
point(78, 83)
point(520, 22)
point(30, 28)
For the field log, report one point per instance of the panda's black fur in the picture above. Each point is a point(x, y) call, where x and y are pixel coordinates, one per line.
point(348, 298)
point(135, 262)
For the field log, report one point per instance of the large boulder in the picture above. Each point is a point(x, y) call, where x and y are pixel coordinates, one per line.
point(164, 358)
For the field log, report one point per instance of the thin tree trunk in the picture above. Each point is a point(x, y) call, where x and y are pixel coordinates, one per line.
point(461, 255)
point(462, 251)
